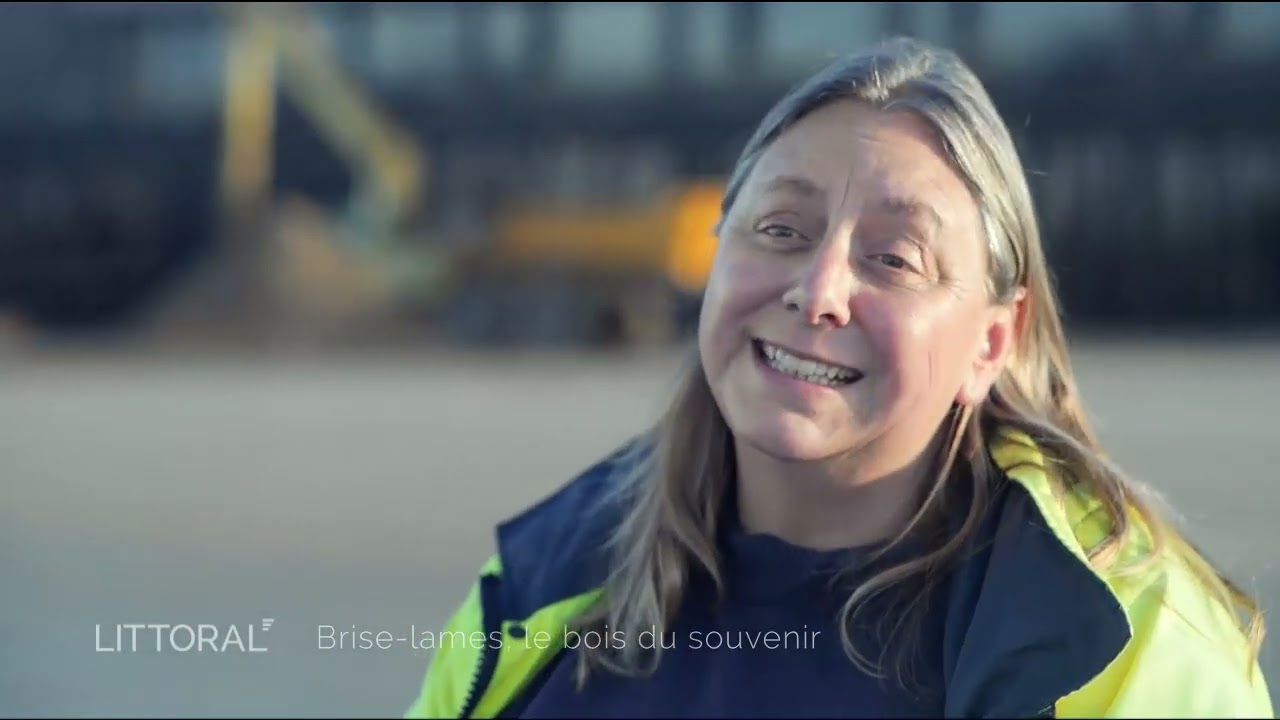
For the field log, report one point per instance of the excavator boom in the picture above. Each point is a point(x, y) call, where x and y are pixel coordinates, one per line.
point(385, 160)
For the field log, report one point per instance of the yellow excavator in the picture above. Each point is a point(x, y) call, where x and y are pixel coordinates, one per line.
point(593, 274)
point(559, 274)
point(371, 256)
point(281, 43)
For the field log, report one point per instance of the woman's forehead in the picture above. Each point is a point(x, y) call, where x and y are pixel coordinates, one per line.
point(888, 162)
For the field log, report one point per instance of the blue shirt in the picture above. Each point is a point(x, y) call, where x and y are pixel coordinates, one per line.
point(771, 649)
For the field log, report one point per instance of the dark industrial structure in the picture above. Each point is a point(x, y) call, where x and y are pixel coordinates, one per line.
point(1152, 130)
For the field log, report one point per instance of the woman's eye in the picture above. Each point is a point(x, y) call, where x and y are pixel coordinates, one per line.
point(781, 232)
point(782, 237)
point(894, 261)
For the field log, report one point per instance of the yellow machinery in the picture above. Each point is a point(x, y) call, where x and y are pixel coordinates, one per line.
point(292, 256)
point(671, 237)
point(692, 246)
point(544, 273)
point(279, 43)
point(592, 274)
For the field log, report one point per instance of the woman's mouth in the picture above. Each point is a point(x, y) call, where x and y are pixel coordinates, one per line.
point(800, 368)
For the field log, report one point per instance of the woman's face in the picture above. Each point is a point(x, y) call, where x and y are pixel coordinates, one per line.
point(847, 308)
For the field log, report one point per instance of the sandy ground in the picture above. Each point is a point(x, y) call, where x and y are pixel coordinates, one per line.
point(361, 490)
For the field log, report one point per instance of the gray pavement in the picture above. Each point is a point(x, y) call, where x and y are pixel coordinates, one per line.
point(360, 489)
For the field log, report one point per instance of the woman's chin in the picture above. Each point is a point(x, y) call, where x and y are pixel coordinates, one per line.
point(788, 436)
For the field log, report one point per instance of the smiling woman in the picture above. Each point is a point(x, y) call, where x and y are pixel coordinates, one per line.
point(878, 437)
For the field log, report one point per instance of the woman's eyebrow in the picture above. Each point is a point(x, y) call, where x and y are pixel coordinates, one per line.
point(911, 208)
point(903, 206)
point(794, 184)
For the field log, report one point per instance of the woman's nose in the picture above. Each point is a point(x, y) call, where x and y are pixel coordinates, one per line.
point(824, 290)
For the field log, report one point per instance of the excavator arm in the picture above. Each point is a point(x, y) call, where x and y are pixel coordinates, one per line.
point(388, 165)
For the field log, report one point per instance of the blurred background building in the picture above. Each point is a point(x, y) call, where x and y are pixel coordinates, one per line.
point(440, 166)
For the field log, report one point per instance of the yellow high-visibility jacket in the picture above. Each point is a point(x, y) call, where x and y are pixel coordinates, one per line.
point(1047, 635)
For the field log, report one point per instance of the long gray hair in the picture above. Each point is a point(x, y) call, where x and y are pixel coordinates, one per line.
point(673, 498)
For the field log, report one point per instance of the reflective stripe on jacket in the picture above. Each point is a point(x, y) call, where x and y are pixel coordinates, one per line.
point(1046, 635)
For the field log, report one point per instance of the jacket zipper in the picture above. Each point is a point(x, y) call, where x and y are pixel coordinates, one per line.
point(488, 662)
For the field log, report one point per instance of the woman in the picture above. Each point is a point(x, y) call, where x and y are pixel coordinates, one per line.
point(875, 493)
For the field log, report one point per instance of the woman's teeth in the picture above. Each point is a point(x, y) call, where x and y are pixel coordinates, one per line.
point(807, 370)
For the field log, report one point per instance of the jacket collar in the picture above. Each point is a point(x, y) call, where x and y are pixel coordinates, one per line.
point(1028, 621)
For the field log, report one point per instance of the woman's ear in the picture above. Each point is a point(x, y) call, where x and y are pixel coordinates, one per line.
point(1021, 317)
point(995, 347)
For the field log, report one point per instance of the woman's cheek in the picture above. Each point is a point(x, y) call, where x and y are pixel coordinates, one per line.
point(882, 320)
point(902, 335)
point(746, 279)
